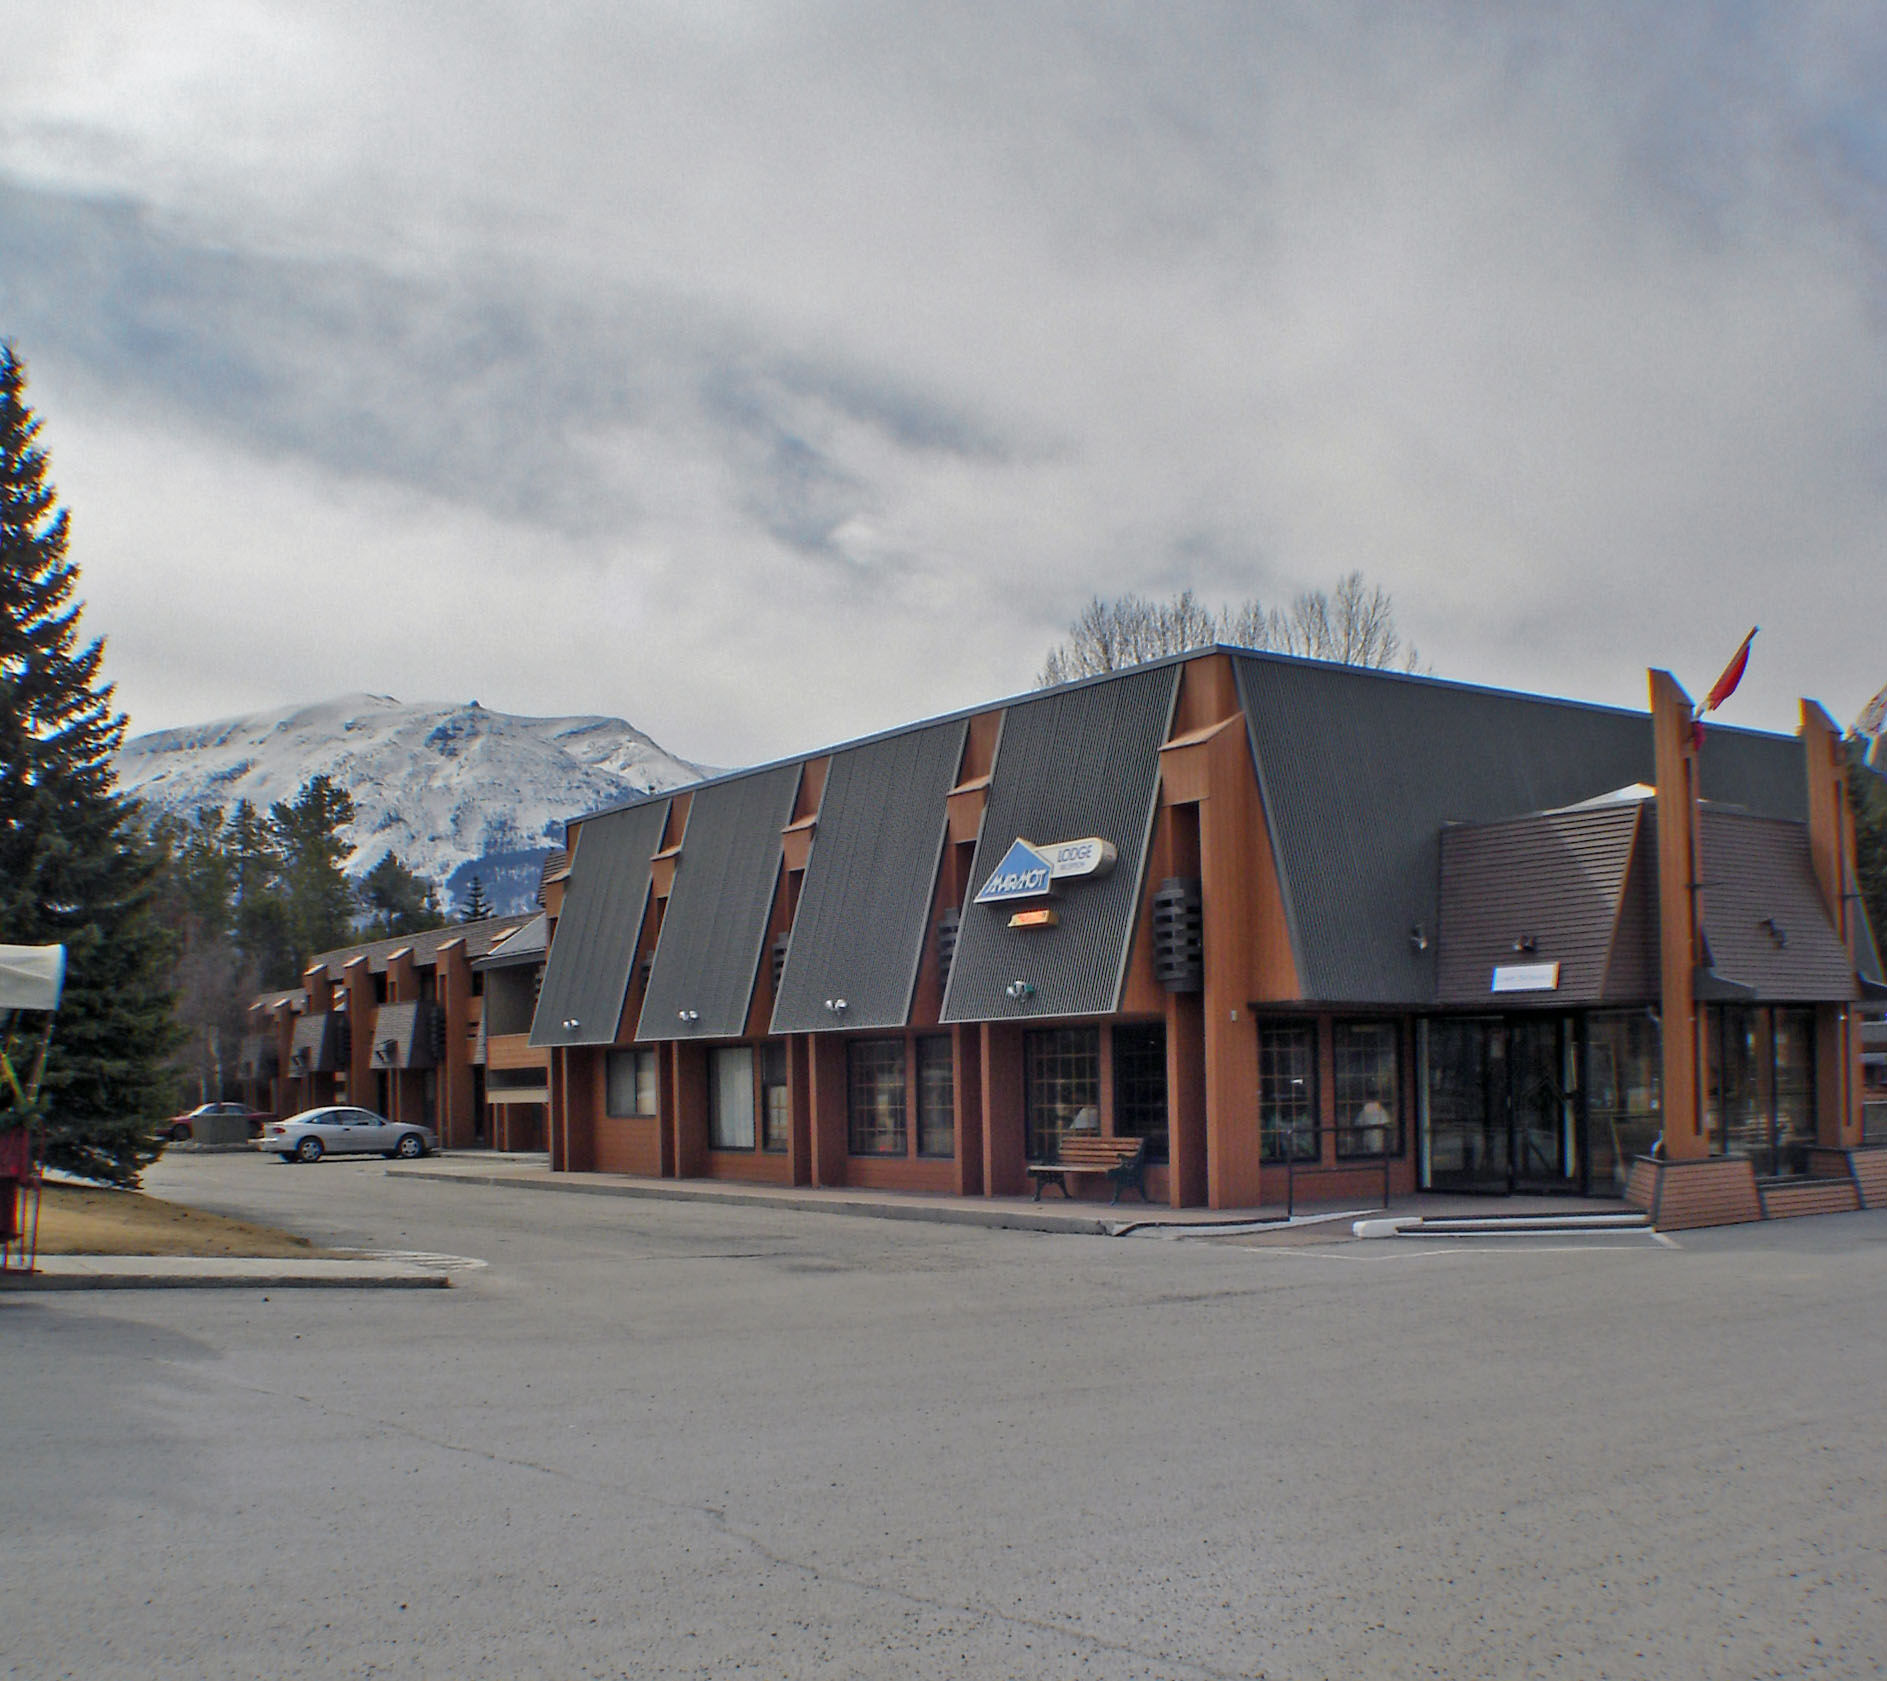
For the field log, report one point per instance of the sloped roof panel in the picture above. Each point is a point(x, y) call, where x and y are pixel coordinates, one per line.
point(1075, 763)
point(1763, 911)
point(708, 953)
point(1360, 769)
point(1545, 888)
point(586, 976)
point(858, 933)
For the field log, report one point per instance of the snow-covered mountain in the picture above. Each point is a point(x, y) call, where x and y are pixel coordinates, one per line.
point(453, 790)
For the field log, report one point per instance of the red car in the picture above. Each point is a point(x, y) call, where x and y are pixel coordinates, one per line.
point(180, 1129)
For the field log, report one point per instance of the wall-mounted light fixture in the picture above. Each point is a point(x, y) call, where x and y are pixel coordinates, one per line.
point(1019, 990)
point(571, 1024)
point(837, 1006)
point(688, 1017)
point(1527, 943)
point(1418, 937)
point(1776, 931)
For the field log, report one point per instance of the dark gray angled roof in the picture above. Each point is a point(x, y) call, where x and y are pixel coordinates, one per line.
point(1553, 883)
point(1074, 763)
point(317, 1045)
point(858, 933)
point(587, 975)
point(1763, 914)
point(709, 951)
point(1360, 769)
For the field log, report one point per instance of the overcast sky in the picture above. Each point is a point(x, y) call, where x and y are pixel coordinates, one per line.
point(767, 374)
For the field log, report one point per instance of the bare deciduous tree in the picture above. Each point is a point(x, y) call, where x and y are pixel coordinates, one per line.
point(1355, 625)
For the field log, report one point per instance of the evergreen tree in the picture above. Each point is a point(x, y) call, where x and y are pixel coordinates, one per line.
point(477, 906)
point(75, 868)
point(1867, 798)
point(317, 898)
point(397, 900)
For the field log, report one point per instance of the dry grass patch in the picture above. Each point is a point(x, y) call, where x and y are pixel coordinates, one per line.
point(93, 1220)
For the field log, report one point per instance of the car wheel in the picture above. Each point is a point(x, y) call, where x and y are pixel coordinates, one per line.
point(180, 1134)
point(410, 1147)
point(308, 1150)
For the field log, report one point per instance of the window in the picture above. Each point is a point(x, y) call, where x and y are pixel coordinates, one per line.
point(775, 1103)
point(629, 1086)
point(875, 1082)
point(1795, 1090)
point(1287, 1090)
point(1368, 1117)
point(730, 1098)
point(1140, 1086)
point(1624, 1095)
point(936, 1097)
point(1061, 1086)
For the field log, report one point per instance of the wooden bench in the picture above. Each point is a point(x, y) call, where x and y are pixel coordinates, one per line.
point(1123, 1160)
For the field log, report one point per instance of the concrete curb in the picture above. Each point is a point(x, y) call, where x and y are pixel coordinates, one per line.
point(220, 1272)
point(1000, 1219)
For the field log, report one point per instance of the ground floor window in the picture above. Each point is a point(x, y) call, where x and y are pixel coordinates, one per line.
point(1061, 1086)
point(1761, 1101)
point(936, 1096)
point(1287, 1090)
point(1624, 1094)
point(875, 1088)
point(629, 1086)
point(730, 1098)
point(1140, 1085)
point(776, 1110)
point(1368, 1114)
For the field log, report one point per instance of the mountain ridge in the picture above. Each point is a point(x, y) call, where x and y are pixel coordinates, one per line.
point(443, 785)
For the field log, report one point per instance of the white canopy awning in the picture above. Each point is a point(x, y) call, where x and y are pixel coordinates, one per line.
point(31, 977)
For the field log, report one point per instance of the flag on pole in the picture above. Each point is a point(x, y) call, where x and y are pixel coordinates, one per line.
point(1725, 686)
point(1722, 689)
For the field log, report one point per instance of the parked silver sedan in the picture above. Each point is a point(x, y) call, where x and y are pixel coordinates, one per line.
point(338, 1130)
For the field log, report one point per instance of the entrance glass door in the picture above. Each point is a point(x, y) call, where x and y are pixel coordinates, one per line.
point(1497, 1113)
point(1537, 1102)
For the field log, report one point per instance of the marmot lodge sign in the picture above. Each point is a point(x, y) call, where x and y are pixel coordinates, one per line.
point(1031, 872)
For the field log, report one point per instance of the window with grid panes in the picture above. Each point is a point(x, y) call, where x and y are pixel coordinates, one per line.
point(775, 1111)
point(1367, 1113)
point(875, 1086)
point(1287, 1090)
point(1061, 1077)
point(936, 1097)
point(1140, 1085)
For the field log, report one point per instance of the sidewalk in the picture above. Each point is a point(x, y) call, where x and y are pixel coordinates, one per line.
point(1093, 1219)
point(231, 1272)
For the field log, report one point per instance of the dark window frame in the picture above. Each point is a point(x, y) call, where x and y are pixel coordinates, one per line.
point(866, 1130)
point(1275, 1094)
point(1133, 1106)
point(1391, 1141)
point(1053, 1059)
point(929, 1130)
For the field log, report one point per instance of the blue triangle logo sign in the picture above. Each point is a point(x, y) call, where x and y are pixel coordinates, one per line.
point(1023, 873)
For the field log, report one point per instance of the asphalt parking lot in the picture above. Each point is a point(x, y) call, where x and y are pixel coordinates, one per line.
point(656, 1439)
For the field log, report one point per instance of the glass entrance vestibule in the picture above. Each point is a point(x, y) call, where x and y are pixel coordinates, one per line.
point(1544, 1101)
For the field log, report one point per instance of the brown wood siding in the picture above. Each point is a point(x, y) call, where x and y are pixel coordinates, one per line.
point(1869, 1168)
point(1810, 1196)
point(629, 1144)
point(1718, 1191)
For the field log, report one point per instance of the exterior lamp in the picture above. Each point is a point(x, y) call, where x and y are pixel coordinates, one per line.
point(837, 1006)
point(1019, 990)
point(571, 1024)
point(1418, 937)
point(688, 1017)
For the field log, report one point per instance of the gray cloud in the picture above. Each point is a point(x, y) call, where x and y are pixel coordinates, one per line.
point(834, 353)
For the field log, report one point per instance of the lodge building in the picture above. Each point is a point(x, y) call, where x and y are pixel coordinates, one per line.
point(1278, 918)
point(430, 1028)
